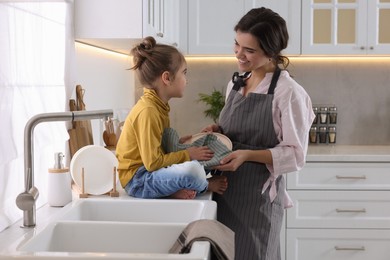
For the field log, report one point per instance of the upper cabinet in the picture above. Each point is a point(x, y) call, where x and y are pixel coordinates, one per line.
point(118, 25)
point(211, 23)
point(349, 27)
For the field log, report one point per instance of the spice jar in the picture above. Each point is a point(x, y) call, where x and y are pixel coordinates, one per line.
point(313, 135)
point(332, 135)
point(323, 115)
point(322, 134)
point(332, 115)
point(315, 111)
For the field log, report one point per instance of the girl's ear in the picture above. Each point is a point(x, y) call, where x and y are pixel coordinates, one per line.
point(166, 78)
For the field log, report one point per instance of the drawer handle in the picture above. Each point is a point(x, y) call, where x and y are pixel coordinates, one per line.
point(340, 248)
point(363, 177)
point(351, 210)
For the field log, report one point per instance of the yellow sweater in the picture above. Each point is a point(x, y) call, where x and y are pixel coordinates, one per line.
point(140, 140)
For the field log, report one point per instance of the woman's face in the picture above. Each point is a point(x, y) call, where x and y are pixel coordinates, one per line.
point(249, 54)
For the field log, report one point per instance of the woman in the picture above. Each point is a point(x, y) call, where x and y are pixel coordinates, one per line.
point(267, 116)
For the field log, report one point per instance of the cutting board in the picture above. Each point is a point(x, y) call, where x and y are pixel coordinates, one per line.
point(80, 107)
point(78, 134)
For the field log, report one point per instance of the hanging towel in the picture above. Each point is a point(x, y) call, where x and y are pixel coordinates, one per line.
point(170, 143)
point(220, 237)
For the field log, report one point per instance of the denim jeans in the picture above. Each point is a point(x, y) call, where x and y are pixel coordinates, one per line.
point(166, 181)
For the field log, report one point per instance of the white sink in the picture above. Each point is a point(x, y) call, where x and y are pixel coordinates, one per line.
point(112, 240)
point(104, 228)
point(156, 211)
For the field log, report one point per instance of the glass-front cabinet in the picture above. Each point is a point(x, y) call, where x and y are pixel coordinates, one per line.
point(349, 27)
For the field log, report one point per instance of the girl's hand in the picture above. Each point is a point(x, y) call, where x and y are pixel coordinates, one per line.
point(232, 161)
point(211, 128)
point(185, 138)
point(202, 153)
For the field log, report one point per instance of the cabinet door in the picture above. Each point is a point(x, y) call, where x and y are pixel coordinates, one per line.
point(291, 12)
point(211, 25)
point(101, 19)
point(337, 244)
point(340, 176)
point(334, 27)
point(162, 20)
point(378, 39)
point(339, 209)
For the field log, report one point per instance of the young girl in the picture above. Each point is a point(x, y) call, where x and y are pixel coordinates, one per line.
point(145, 170)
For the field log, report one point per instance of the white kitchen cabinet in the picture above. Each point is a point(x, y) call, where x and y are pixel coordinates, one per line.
point(348, 27)
point(338, 244)
point(211, 23)
point(341, 208)
point(117, 25)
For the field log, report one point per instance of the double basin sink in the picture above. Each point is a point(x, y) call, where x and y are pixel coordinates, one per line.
point(118, 229)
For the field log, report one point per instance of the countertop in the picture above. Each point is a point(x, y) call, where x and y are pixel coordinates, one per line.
point(348, 153)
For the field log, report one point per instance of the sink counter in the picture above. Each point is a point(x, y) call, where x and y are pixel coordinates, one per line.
point(15, 237)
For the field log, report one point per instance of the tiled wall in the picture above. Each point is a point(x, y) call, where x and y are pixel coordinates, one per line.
point(359, 87)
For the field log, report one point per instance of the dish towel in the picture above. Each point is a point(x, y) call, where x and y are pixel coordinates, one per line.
point(170, 143)
point(220, 237)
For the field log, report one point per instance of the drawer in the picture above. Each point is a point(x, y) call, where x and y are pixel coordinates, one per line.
point(339, 209)
point(337, 244)
point(344, 176)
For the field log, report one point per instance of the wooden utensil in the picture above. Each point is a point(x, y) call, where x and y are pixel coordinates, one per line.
point(80, 107)
point(78, 135)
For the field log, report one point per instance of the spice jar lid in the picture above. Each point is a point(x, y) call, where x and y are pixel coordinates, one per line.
point(313, 129)
point(322, 128)
point(333, 109)
point(332, 129)
point(315, 109)
point(323, 109)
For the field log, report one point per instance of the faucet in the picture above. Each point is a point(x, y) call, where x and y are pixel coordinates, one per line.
point(26, 200)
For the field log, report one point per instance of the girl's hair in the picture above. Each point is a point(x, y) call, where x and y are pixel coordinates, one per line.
point(270, 31)
point(151, 59)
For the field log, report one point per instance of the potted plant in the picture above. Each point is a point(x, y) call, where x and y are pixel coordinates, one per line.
point(214, 102)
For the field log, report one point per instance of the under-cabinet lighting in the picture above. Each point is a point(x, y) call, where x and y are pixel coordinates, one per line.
point(100, 49)
point(300, 58)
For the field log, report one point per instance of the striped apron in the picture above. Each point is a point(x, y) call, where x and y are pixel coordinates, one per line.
point(247, 121)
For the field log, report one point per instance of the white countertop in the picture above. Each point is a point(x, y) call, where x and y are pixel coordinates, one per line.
point(348, 153)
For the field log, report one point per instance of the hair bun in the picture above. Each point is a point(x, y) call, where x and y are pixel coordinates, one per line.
point(148, 43)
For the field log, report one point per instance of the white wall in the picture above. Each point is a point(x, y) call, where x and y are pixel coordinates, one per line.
point(107, 82)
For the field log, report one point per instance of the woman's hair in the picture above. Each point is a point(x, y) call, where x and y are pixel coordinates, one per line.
point(151, 59)
point(270, 30)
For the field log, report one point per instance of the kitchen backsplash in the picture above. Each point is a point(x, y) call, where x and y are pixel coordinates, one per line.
point(360, 87)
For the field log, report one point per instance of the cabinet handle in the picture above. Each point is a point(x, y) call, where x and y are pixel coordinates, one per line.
point(371, 47)
point(362, 47)
point(160, 34)
point(351, 210)
point(363, 177)
point(341, 248)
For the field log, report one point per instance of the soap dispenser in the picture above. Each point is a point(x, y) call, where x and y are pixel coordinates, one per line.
point(59, 183)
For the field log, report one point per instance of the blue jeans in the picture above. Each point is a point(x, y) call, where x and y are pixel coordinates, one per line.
point(166, 181)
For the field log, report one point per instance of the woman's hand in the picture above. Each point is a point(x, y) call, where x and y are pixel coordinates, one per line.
point(202, 153)
point(184, 139)
point(211, 128)
point(232, 161)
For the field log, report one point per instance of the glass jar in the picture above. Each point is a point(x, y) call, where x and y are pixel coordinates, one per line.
point(333, 115)
point(322, 134)
point(323, 115)
point(332, 135)
point(315, 110)
point(313, 135)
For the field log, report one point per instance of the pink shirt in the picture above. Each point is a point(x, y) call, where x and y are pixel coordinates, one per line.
point(292, 117)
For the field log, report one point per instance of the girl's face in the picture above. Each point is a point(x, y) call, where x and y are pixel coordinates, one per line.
point(179, 83)
point(249, 54)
